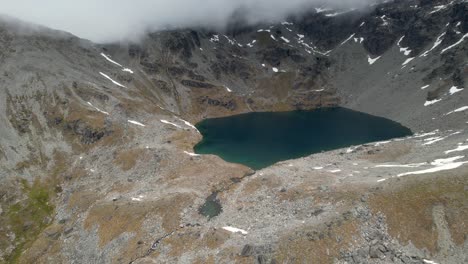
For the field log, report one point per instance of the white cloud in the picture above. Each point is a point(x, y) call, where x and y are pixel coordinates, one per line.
point(114, 20)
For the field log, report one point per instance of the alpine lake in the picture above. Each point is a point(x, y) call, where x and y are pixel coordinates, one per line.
point(261, 139)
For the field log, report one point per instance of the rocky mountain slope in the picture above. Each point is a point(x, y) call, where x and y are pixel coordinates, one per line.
point(96, 142)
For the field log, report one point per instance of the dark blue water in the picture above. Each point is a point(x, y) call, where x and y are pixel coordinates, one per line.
point(259, 140)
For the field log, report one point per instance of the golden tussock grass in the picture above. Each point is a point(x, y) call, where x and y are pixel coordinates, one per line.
point(408, 207)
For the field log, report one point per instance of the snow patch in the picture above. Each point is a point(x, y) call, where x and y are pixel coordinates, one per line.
point(170, 123)
point(321, 9)
point(440, 165)
point(97, 109)
point(384, 20)
point(285, 39)
point(215, 38)
point(227, 89)
point(425, 86)
point(232, 42)
point(407, 61)
point(346, 40)
point(192, 154)
point(399, 41)
point(458, 149)
point(436, 44)
point(107, 57)
point(138, 199)
point(275, 69)
point(426, 134)
point(461, 109)
point(427, 103)
point(136, 123)
point(109, 78)
point(250, 45)
point(414, 165)
point(382, 143)
point(235, 230)
point(406, 51)
point(127, 70)
point(351, 149)
point(339, 13)
point(187, 123)
point(433, 140)
point(429, 261)
point(438, 8)
point(454, 90)
point(371, 60)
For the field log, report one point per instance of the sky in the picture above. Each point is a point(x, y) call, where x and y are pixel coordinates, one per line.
point(105, 21)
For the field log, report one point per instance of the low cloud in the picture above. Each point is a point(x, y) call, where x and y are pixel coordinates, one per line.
point(117, 20)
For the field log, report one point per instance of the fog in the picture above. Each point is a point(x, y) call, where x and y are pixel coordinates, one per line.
point(117, 20)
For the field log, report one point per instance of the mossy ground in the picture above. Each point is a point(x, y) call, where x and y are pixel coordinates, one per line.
point(30, 216)
point(30, 209)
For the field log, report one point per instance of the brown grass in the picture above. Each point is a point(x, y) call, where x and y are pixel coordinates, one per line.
point(47, 244)
point(200, 110)
point(408, 208)
point(311, 245)
point(138, 106)
point(213, 174)
point(389, 152)
point(82, 200)
point(192, 240)
point(115, 218)
point(93, 119)
point(122, 187)
point(127, 159)
point(277, 86)
point(185, 139)
point(209, 260)
point(265, 181)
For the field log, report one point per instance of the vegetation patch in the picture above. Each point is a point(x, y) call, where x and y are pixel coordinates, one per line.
point(317, 245)
point(266, 181)
point(388, 152)
point(127, 159)
point(277, 86)
point(116, 218)
point(27, 218)
point(28, 210)
point(193, 241)
point(408, 205)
